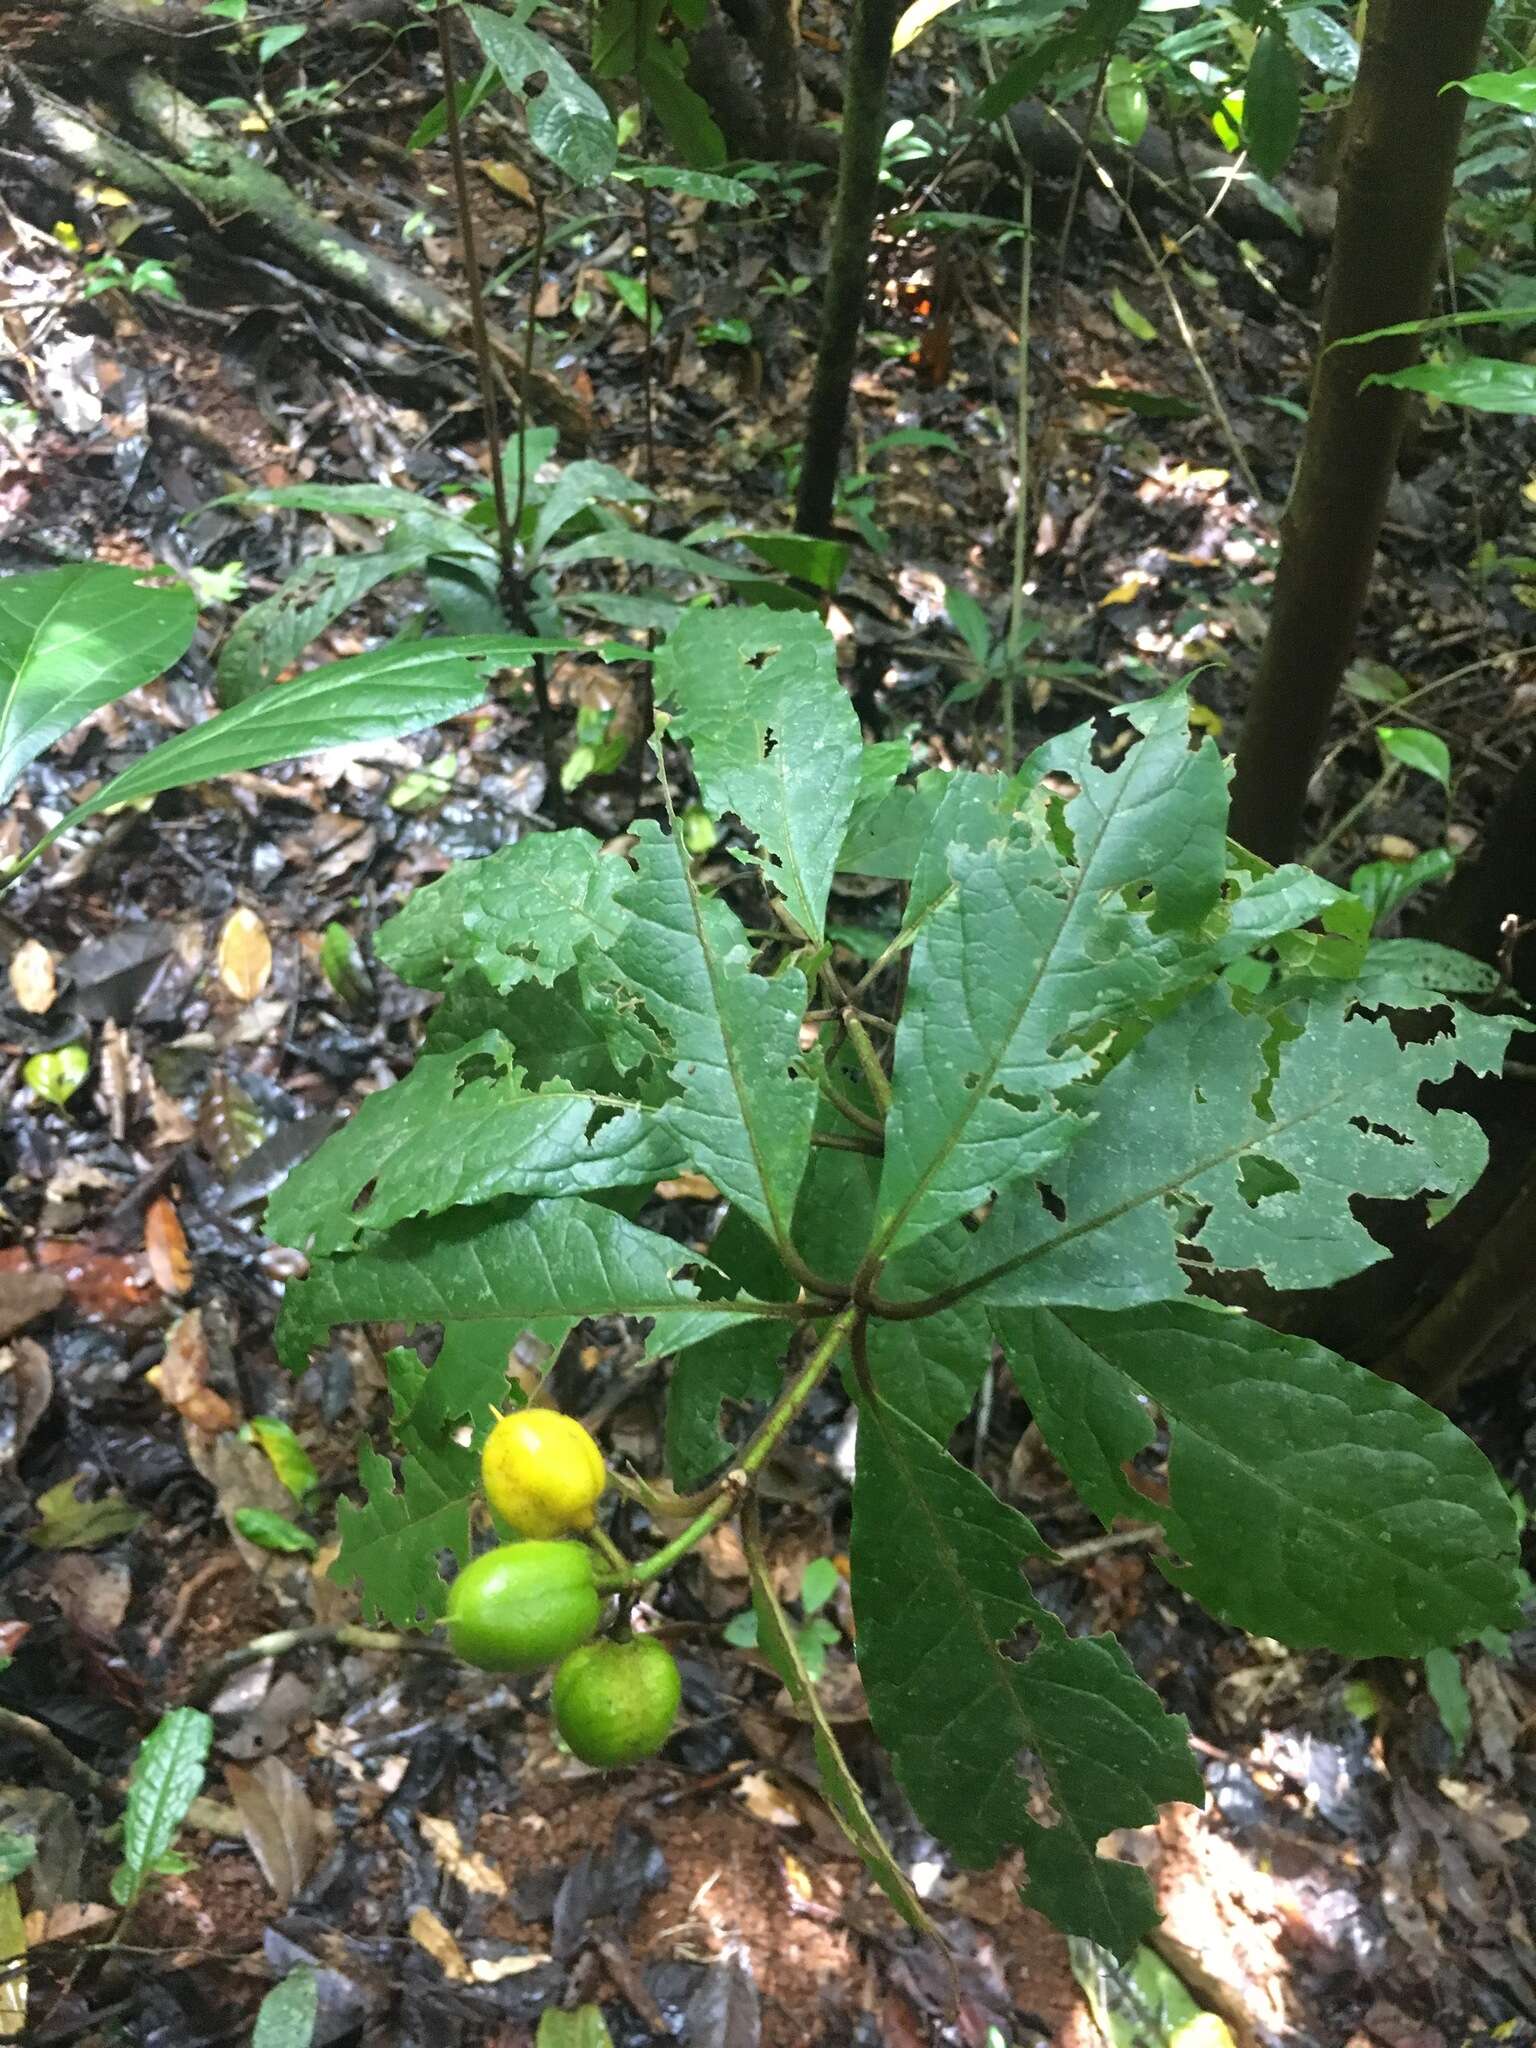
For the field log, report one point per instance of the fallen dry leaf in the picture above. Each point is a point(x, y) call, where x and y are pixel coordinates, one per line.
point(25, 1295)
point(165, 1242)
point(488, 1970)
point(471, 1870)
point(32, 977)
point(181, 1378)
point(279, 1823)
point(430, 1933)
point(63, 1923)
point(245, 955)
point(687, 1187)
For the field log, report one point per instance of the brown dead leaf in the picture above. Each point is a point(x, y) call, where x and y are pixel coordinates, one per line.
point(245, 955)
point(471, 1870)
point(91, 1593)
point(25, 1295)
point(279, 1823)
point(181, 1378)
point(765, 1801)
point(32, 977)
point(63, 1923)
point(165, 1242)
point(430, 1933)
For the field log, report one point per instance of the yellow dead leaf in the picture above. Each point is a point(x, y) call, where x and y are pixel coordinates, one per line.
point(486, 1970)
point(245, 955)
point(508, 178)
point(1204, 719)
point(63, 1923)
point(688, 1187)
point(67, 235)
point(1130, 588)
point(32, 977)
point(428, 1932)
point(472, 1871)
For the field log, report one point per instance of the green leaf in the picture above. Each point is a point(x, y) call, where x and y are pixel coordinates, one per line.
point(583, 2028)
point(58, 1075)
point(1515, 89)
point(1272, 1135)
point(939, 1594)
point(621, 34)
point(17, 1853)
point(689, 184)
point(1447, 1688)
point(1126, 106)
point(1383, 886)
point(270, 1531)
point(1484, 383)
point(391, 1544)
point(1310, 1499)
point(528, 1262)
point(167, 1776)
point(74, 639)
point(469, 93)
point(682, 112)
point(567, 122)
point(747, 1099)
point(1324, 41)
point(969, 621)
point(372, 697)
point(287, 2015)
point(1025, 954)
point(580, 485)
point(526, 912)
point(462, 1128)
point(774, 736)
point(277, 38)
point(272, 635)
point(804, 555)
point(286, 1455)
point(736, 1365)
point(1131, 317)
point(69, 1523)
point(819, 1581)
point(1416, 748)
point(783, 1648)
point(345, 969)
point(1271, 103)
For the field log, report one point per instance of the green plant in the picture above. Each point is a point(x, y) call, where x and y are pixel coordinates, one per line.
point(815, 1635)
point(615, 1703)
point(1105, 1051)
point(74, 639)
point(166, 1778)
point(523, 1606)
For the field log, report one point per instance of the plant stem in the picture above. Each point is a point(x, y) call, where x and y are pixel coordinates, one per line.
point(1021, 461)
point(869, 1061)
point(755, 1456)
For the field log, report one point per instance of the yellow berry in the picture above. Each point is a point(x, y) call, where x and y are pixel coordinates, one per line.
point(542, 1473)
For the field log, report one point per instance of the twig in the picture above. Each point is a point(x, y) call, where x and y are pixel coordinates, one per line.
point(24, 1729)
point(340, 1635)
point(1100, 1546)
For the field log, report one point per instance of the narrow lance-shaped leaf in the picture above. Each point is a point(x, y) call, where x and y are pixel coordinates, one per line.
point(76, 638)
point(463, 1128)
point(939, 1594)
point(774, 736)
point(537, 1262)
point(746, 1104)
point(373, 697)
point(1310, 1499)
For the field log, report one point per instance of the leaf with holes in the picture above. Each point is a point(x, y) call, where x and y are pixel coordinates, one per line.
point(567, 122)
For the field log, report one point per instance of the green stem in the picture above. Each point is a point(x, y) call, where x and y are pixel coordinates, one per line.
point(752, 1460)
point(869, 1060)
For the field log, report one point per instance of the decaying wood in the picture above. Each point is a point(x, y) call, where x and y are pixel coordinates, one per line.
point(202, 174)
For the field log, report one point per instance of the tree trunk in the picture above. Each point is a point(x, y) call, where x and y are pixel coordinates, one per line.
point(1394, 191)
point(1490, 902)
point(842, 313)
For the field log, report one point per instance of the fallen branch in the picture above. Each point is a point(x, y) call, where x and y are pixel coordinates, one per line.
point(208, 176)
point(282, 1642)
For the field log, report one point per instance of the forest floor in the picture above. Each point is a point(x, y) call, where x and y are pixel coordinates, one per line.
point(1363, 1873)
